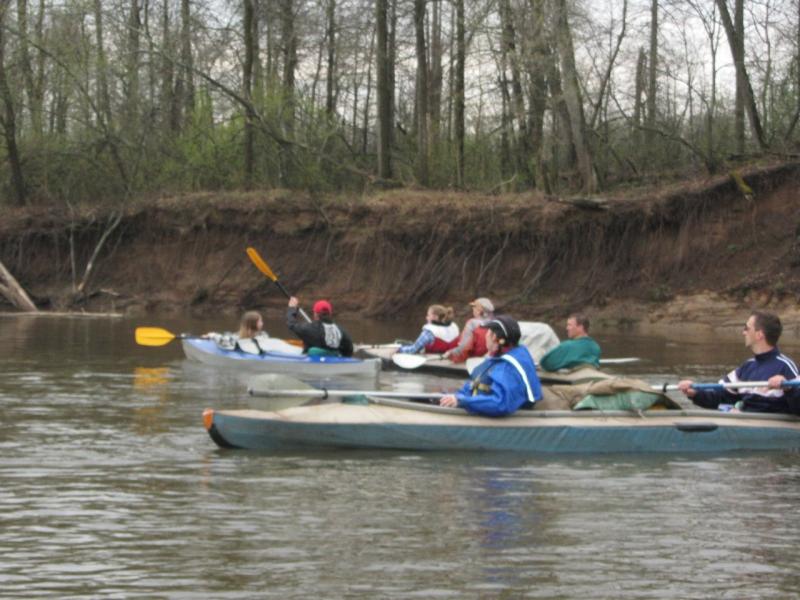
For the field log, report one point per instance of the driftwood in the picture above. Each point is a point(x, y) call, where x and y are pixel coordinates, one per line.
point(113, 221)
point(13, 291)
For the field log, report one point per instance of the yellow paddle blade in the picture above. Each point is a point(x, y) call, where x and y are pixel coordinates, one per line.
point(260, 264)
point(153, 336)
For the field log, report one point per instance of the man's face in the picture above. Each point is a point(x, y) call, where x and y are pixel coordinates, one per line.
point(573, 329)
point(749, 332)
point(492, 345)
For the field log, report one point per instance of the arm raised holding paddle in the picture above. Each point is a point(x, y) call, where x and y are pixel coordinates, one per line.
point(321, 337)
point(262, 266)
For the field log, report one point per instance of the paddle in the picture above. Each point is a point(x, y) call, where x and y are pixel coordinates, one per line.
point(281, 388)
point(619, 361)
point(262, 266)
point(473, 362)
point(156, 336)
point(413, 361)
point(705, 387)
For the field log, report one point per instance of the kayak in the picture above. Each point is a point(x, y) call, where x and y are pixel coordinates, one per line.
point(384, 423)
point(290, 362)
point(435, 365)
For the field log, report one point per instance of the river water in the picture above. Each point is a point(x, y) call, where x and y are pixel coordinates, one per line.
point(111, 488)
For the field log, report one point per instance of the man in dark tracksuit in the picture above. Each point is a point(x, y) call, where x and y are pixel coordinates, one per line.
point(761, 334)
point(321, 336)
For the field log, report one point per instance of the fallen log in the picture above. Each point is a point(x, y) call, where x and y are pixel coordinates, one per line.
point(13, 291)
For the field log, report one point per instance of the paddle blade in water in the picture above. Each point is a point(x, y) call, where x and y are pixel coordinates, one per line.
point(275, 382)
point(408, 361)
point(153, 336)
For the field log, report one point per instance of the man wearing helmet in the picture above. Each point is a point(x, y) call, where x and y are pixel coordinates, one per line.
point(506, 381)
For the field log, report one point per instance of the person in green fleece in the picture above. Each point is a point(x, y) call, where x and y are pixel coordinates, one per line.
point(579, 349)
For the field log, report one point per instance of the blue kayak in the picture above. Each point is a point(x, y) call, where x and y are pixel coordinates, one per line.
point(290, 362)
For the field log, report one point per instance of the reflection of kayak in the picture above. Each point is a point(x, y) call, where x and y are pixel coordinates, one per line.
point(289, 362)
point(399, 424)
point(444, 367)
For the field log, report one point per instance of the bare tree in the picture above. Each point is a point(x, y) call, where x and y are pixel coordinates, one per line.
point(572, 97)
point(8, 121)
point(384, 90)
point(250, 26)
point(422, 92)
point(652, 72)
point(742, 78)
point(458, 92)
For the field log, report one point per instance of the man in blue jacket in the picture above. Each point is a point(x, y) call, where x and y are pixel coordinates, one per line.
point(504, 382)
point(761, 334)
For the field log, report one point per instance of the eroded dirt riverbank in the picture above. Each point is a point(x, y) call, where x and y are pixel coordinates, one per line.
point(687, 256)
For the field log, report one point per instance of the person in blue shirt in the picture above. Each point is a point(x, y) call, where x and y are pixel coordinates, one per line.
point(761, 334)
point(504, 382)
point(439, 334)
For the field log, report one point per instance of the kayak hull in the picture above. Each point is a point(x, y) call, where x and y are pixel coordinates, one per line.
point(393, 425)
point(207, 352)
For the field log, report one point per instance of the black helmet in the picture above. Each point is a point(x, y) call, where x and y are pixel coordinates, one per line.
point(506, 328)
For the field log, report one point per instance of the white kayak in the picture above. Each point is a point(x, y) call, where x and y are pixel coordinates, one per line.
point(289, 361)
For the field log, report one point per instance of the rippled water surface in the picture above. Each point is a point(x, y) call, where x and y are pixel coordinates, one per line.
point(112, 489)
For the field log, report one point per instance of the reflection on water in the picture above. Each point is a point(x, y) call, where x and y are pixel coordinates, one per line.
point(111, 488)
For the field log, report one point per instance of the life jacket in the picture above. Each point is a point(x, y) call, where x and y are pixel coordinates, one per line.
point(445, 337)
point(478, 346)
point(253, 345)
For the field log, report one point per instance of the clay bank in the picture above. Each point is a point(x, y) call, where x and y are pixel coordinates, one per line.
point(684, 256)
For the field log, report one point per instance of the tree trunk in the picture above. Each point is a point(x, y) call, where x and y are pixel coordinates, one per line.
point(521, 150)
point(289, 39)
point(330, 95)
point(572, 96)
point(435, 74)
point(104, 98)
point(32, 91)
point(132, 67)
point(250, 30)
point(391, 52)
point(652, 79)
point(9, 118)
point(458, 93)
point(368, 97)
point(741, 74)
point(13, 291)
point(538, 94)
point(638, 104)
point(422, 92)
point(168, 105)
point(604, 82)
point(185, 81)
point(738, 27)
point(384, 93)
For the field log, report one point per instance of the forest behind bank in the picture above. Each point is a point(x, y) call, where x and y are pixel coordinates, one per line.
point(687, 254)
point(105, 102)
